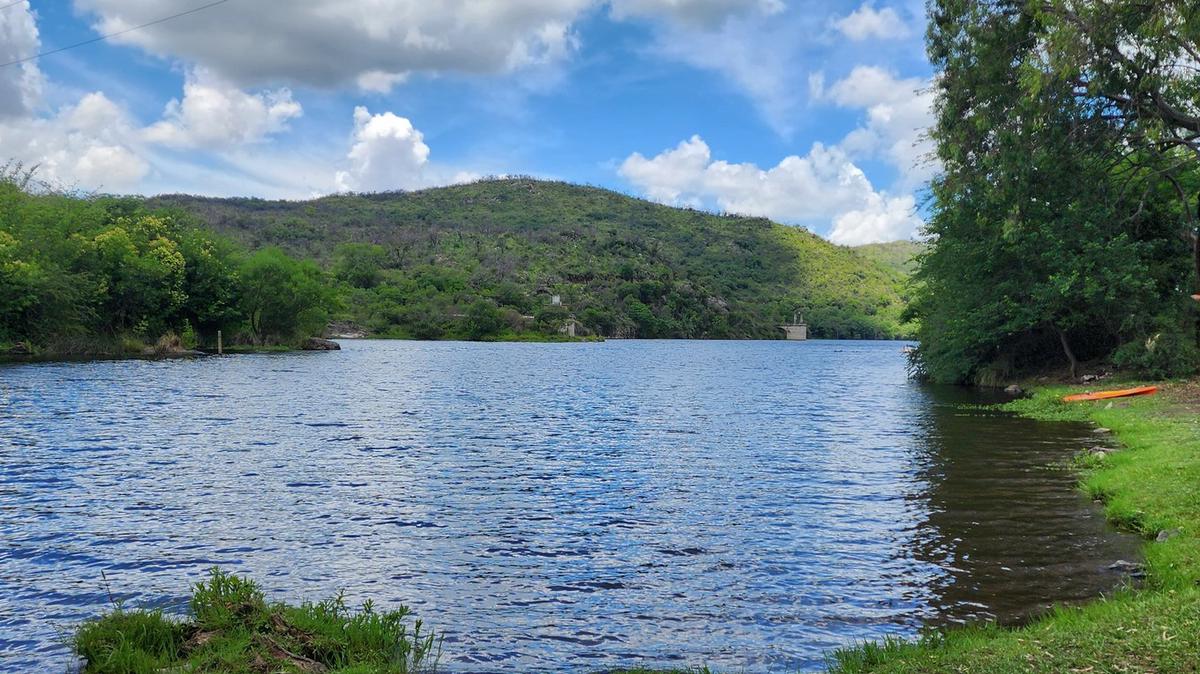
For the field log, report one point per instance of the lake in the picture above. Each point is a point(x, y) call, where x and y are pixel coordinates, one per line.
point(547, 507)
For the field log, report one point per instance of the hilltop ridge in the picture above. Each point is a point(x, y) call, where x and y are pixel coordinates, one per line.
point(418, 263)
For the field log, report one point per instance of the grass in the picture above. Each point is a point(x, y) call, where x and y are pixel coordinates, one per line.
point(1150, 486)
point(232, 628)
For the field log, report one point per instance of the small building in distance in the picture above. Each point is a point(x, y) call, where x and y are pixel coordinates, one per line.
point(797, 330)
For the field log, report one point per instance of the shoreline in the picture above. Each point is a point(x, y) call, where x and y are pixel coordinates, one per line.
point(1148, 482)
point(40, 355)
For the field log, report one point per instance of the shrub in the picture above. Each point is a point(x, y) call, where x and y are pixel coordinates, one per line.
point(1162, 355)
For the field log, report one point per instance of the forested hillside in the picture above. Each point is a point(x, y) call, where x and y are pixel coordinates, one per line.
point(483, 260)
point(897, 256)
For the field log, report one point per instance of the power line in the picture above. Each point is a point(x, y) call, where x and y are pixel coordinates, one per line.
point(110, 35)
point(12, 4)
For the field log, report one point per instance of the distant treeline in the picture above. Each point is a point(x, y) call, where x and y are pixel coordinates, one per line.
point(480, 261)
point(105, 275)
point(1064, 224)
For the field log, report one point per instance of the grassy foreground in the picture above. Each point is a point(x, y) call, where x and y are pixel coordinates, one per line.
point(1150, 486)
point(232, 628)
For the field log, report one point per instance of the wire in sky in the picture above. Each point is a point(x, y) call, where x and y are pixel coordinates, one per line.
point(110, 35)
point(12, 4)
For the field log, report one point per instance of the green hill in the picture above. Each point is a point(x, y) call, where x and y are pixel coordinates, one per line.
point(486, 258)
point(898, 256)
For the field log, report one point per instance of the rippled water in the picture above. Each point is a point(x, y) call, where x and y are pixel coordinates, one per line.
point(562, 507)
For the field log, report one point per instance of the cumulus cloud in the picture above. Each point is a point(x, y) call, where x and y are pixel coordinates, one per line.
point(20, 85)
point(694, 12)
point(866, 23)
point(388, 154)
point(92, 144)
point(899, 113)
point(821, 189)
point(215, 114)
point(881, 219)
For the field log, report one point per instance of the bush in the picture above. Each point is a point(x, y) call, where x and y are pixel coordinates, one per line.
point(1162, 355)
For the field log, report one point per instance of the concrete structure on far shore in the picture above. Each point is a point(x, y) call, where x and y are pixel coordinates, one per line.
point(797, 330)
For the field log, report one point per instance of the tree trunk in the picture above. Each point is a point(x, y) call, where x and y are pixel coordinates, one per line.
point(1062, 338)
point(1196, 262)
point(1196, 252)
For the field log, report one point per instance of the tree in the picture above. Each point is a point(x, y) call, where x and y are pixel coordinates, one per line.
point(141, 274)
point(1038, 244)
point(1139, 63)
point(283, 299)
point(211, 282)
point(359, 264)
point(484, 320)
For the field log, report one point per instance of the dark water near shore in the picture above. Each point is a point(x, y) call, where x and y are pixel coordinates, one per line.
point(561, 507)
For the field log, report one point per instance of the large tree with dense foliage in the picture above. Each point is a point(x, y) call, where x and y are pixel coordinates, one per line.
point(1044, 238)
point(1140, 62)
point(283, 298)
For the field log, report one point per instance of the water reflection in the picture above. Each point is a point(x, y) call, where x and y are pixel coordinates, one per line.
point(548, 507)
point(1004, 518)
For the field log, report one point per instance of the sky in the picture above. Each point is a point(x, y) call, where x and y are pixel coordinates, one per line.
point(809, 112)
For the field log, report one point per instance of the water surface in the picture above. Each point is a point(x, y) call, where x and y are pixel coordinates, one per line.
point(548, 507)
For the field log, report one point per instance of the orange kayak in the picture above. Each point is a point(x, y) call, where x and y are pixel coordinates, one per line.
point(1105, 395)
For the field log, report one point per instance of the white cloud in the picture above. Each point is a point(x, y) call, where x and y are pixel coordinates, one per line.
point(91, 145)
point(899, 113)
point(379, 81)
point(694, 12)
point(215, 114)
point(20, 85)
point(388, 154)
point(866, 23)
point(820, 189)
point(881, 219)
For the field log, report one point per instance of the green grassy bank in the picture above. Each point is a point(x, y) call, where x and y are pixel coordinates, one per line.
point(232, 628)
point(1151, 485)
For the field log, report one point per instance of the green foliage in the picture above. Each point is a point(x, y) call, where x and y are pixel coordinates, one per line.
point(1162, 355)
point(130, 642)
point(359, 264)
point(419, 264)
point(109, 275)
point(283, 299)
point(1051, 242)
point(899, 257)
point(484, 320)
point(232, 628)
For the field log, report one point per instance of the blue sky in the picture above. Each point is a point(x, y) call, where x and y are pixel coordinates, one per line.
point(810, 113)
